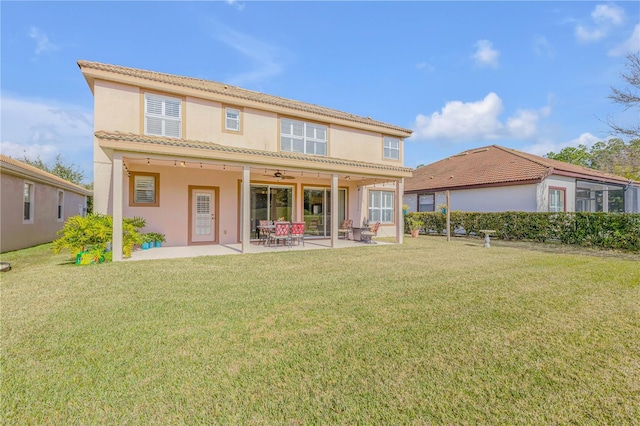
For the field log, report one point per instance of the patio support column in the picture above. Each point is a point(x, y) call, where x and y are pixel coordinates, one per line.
point(245, 225)
point(334, 210)
point(399, 212)
point(117, 207)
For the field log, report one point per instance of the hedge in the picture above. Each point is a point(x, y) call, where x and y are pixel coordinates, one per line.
point(605, 230)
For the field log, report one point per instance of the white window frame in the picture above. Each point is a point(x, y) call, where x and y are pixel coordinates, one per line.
point(381, 206)
point(163, 115)
point(32, 189)
point(60, 206)
point(562, 200)
point(228, 120)
point(311, 143)
point(391, 148)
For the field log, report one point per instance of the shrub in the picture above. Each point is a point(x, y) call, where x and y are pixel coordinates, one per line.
point(605, 230)
point(94, 233)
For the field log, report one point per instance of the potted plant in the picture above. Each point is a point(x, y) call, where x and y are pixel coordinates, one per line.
point(443, 208)
point(148, 241)
point(414, 225)
point(158, 239)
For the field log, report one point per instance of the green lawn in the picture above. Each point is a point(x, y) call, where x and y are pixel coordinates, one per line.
point(426, 332)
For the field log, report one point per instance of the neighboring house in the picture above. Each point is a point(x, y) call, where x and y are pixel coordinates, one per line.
point(495, 179)
point(204, 162)
point(35, 204)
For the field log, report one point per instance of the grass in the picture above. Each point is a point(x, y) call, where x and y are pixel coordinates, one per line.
point(426, 332)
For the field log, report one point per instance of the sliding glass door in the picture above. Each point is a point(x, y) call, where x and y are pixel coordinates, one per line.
point(317, 211)
point(270, 202)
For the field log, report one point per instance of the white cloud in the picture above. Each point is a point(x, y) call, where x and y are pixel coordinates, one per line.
point(42, 41)
point(544, 146)
point(604, 17)
point(587, 36)
point(605, 14)
point(47, 128)
point(471, 121)
point(266, 57)
point(632, 44)
point(235, 4)
point(424, 66)
point(486, 55)
point(542, 47)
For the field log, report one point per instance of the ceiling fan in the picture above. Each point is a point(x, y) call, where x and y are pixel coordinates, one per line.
point(279, 175)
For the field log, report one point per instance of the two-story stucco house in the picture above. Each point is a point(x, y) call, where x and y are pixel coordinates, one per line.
point(34, 204)
point(203, 161)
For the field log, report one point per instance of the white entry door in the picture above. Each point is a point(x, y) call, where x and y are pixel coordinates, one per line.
point(203, 215)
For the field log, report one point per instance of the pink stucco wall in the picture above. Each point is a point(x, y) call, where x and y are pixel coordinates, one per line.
point(15, 234)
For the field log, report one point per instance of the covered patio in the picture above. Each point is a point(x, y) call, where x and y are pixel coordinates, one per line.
point(254, 248)
point(184, 188)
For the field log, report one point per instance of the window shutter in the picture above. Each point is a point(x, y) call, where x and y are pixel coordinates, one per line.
point(154, 126)
point(144, 189)
point(154, 105)
point(172, 128)
point(162, 116)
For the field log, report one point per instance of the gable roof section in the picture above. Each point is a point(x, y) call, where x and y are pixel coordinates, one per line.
point(222, 152)
point(241, 94)
point(497, 166)
point(30, 172)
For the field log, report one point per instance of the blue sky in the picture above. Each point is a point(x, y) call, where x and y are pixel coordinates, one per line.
point(532, 76)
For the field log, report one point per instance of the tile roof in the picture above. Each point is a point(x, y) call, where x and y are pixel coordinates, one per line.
point(237, 92)
point(210, 146)
point(27, 169)
point(497, 166)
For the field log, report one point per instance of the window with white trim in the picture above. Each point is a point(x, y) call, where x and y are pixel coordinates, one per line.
point(162, 116)
point(556, 200)
point(391, 148)
point(306, 138)
point(143, 189)
point(381, 206)
point(232, 119)
point(60, 209)
point(27, 216)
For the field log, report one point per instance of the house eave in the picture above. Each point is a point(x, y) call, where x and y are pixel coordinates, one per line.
point(476, 186)
point(209, 151)
point(92, 74)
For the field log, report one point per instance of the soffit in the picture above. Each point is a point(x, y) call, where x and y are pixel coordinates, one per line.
point(199, 149)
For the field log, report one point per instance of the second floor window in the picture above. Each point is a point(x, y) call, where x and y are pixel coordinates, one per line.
point(162, 116)
point(232, 119)
point(391, 148)
point(306, 138)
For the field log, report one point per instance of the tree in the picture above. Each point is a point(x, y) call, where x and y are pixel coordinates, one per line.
point(613, 156)
point(628, 97)
point(68, 172)
point(579, 155)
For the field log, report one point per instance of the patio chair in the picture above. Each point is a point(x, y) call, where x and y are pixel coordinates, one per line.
point(372, 232)
point(263, 230)
point(313, 227)
point(345, 228)
point(281, 233)
point(297, 232)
